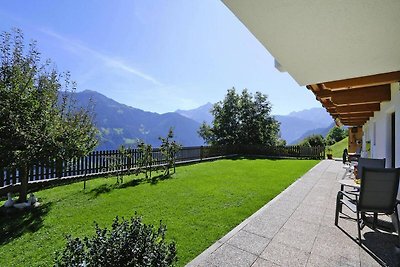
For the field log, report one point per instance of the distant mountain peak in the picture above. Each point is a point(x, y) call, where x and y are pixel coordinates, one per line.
point(200, 114)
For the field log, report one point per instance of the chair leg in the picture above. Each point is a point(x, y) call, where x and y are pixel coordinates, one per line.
point(338, 208)
point(359, 227)
point(398, 225)
point(375, 220)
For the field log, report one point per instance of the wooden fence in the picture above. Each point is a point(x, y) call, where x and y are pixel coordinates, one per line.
point(104, 162)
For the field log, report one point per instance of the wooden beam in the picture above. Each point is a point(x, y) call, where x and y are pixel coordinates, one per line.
point(324, 95)
point(358, 108)
point(354, 124)
point(353, 120)
point(315, 87)
point(373, 94)
point(327, 103)
point(367, 114)
point(372, 80)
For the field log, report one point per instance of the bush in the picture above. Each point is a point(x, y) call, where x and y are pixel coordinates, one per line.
point(335, 134)
point(313, 141)
point(126, 244)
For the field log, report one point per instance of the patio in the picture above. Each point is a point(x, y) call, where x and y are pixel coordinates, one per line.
point(297, 229)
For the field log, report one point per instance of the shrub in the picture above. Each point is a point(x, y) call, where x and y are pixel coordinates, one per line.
point(335, 135)
point(126, 244)
point(313, 141)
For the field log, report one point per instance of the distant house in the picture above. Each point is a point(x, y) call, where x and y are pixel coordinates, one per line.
point(347, 53)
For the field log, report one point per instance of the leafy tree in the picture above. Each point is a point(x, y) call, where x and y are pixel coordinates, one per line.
point(313, 141)
point(116, 162)
point(241, 119)
point(169, 148)
point(335, 134)
point(145, 160)
point(39, 120)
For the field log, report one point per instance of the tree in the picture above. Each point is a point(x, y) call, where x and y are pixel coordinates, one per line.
point(145, 159)
point(169, 148)
point(335, 134)
point(39, 120)
point(241, 119)
point(313, 141)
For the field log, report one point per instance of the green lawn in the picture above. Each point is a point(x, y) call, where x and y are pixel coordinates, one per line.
point(199, 204)
point(337, 148)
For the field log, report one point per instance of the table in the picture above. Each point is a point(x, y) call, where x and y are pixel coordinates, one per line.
point(348, 182)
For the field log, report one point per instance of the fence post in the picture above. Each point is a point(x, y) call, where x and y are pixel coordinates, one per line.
point(59, 168)
point(129, 159)
point(201, 153)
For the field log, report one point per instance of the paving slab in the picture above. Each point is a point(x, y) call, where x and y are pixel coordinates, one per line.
point(297, 228)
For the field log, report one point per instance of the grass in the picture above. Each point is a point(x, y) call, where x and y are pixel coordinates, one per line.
point(337, 148)
point(199, 204)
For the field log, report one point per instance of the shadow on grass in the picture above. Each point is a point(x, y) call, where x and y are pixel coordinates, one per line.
point(102, 189)
point(155, 179)
point(15, 223)
point(107, 188)
point(250, 157)
point(271, 158)
point(132, 183)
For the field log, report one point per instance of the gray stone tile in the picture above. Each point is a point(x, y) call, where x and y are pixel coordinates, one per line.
point(335, 246)
point(249, 242)
point(317, 261)
point(329, 219)
point(283, 209)
point(301, 226)
point(230, 256)
point(285, 255)
point(310, 214)
point(265, 226)
point(264, 263)
point(317, 200)
point(299, 240)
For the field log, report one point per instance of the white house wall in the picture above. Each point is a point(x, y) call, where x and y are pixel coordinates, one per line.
point(379, 134)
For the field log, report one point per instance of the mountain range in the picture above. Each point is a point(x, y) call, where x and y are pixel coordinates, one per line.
point(298, 125)
point(121, 124)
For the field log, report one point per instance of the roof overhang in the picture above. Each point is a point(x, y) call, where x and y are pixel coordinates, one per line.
point(347, 53)
point(353, 101)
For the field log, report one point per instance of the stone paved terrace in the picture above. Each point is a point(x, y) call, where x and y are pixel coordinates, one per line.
point(297, 229)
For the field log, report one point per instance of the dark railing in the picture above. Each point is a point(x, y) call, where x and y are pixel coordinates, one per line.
point(111, 161)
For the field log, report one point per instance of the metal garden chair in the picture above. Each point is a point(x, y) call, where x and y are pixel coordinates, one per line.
point(378, 194)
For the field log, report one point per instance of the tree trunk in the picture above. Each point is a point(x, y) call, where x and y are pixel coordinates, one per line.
point(23, 176)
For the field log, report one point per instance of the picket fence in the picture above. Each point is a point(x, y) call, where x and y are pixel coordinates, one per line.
point(100, 163)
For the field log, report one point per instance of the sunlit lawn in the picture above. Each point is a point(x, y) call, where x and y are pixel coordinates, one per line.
point(337, 148)
point(199, 204)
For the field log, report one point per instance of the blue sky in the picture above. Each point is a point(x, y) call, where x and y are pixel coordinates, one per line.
point(154, 55)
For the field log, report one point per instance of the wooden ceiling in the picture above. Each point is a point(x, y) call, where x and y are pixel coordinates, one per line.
point(352, 102)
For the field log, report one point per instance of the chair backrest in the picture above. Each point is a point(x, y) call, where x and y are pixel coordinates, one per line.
point(378, 190)
point(369, 163)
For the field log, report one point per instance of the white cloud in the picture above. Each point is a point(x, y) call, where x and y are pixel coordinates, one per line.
point(76, 46)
